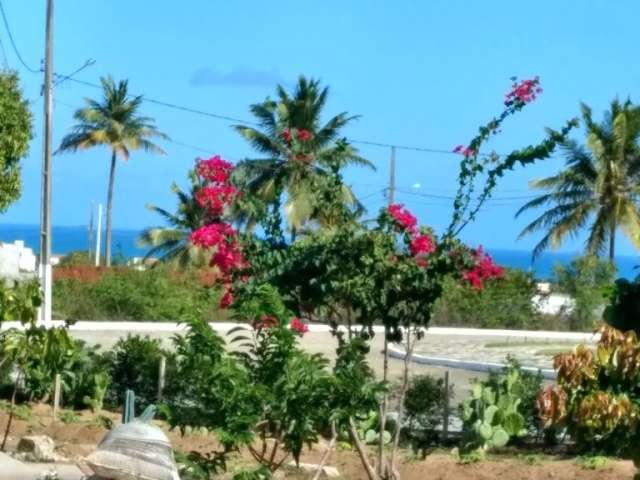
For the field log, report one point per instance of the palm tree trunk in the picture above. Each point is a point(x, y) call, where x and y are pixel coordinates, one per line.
point(112, 177)
point(612, 242)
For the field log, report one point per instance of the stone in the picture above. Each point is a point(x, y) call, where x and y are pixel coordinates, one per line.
point(328, 472)
point(37, 448)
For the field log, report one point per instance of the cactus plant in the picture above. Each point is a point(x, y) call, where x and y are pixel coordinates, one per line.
point(491, 418)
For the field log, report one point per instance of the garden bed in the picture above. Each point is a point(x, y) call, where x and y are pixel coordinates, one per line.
point(84, 430)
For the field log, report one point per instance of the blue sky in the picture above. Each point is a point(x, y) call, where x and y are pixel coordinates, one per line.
point(419, 73)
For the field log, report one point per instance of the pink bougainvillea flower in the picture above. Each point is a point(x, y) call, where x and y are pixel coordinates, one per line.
point(523, 92)
point(483, 269)
point(214, 169)
point(403, 218)
point(464, 151)
point(214, 198)
point(298, 326)
point(212, 235)
point(422, 244)
point(304, 135)
point(227, 297)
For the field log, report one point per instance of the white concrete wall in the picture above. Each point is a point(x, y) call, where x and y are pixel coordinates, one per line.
point(16, 261)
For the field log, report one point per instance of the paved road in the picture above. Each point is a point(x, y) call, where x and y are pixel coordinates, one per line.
point(471, 345)
point(317, 342)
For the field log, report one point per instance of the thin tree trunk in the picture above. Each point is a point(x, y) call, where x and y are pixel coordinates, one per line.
point(11, 413)
point(112, 177)
point(325, 457)
point(353, 432)
point(612, 242)
point(383, 405)
point(411, 342)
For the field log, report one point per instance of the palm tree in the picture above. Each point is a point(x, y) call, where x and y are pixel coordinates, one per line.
point(172, 242)
point(292, 167)
point(599, 186)
point(115, 123)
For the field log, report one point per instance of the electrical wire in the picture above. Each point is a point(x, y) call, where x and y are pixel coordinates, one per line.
point(250, 123)
point(13, 43)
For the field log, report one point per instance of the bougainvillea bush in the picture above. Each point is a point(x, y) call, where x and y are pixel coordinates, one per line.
point(597, 397)
point(388, 272)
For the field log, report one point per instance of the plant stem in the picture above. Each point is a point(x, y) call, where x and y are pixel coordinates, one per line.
point(353, 432)
point(327, 453)
point(383, 405)
point(11, 413)
point(411, 342)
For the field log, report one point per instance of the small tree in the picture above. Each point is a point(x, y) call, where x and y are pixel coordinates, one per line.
point(586, 280)
point(15, 134)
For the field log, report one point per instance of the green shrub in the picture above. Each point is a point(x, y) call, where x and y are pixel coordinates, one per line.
point(502, 303)
point(587, 280)
point(268, 389)
point(19, 301)
point(133, 364)
point(142, 295)
point(424, 407)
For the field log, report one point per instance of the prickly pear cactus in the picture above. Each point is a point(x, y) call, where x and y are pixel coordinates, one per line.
point(490, 418)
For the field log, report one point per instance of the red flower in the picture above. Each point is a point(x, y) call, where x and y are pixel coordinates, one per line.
point(212, 235)
point(484, 269)
point(227, 297)
point(422, 262)
point(286, 134)
point(304, 135)
point(215, 169)
point(464, 151)
point(403, 218)
point(227, 257)
point(523, 92)
point(422, 244)
point(214, 198)
point(298, 326)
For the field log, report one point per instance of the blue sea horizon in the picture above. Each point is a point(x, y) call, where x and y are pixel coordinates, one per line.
point(73, 238)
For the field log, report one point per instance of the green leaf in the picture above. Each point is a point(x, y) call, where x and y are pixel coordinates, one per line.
point(500, 438)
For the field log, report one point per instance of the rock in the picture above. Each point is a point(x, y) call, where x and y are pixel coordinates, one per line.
point(38, 448)
point(329, 472)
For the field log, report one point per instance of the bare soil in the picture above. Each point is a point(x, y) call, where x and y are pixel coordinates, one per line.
point(76, 439)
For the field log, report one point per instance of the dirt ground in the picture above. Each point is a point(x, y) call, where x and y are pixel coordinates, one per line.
point(76, 439)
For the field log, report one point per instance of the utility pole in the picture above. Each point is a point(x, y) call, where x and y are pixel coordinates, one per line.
point(392, 176)
point(45, 212)
point(99, 235)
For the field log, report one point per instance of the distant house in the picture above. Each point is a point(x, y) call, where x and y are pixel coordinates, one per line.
point(17, 262)
point(552, 303)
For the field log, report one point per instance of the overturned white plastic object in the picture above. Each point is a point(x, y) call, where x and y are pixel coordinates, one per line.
point(134, 451)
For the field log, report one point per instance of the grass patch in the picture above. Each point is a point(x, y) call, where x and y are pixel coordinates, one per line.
point(593, 462)
point(69, 416)
point(532, 459)
point(536, 343)
point(551, 352)
point(21, 412)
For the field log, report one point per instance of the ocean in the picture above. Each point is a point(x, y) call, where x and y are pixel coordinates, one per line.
point(68, 239)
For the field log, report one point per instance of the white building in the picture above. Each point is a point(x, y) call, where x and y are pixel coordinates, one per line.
point(17, 262)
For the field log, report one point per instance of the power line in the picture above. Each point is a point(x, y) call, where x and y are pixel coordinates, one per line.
point(13, 43)
point(62, 79)
point(448, 197)
point(250, 123)
point(175, 106)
